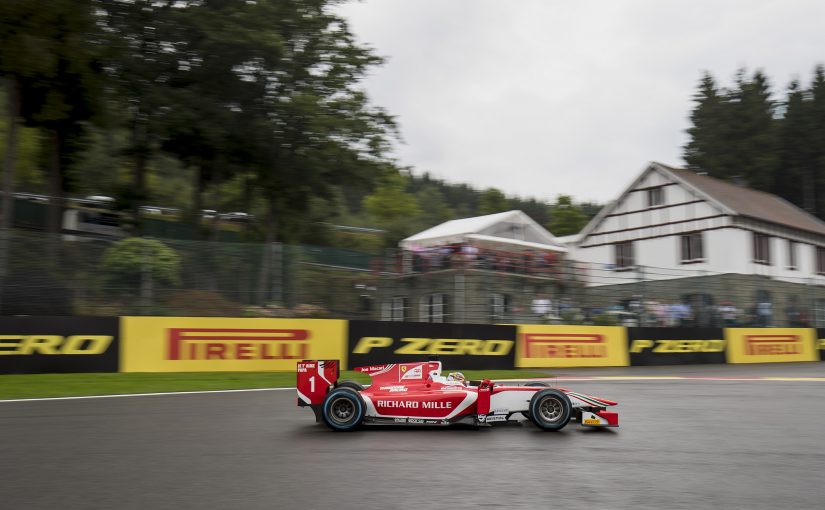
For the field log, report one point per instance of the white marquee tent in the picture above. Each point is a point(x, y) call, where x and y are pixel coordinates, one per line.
point(506, 230)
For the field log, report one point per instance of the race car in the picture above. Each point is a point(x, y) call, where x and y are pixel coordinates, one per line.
point(418, 394)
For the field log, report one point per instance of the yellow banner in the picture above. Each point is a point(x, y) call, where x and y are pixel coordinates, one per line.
point(541, 346)
point(770, 345)
point(212, 344)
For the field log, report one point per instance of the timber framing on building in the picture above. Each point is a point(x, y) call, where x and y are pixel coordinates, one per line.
point(677, 235)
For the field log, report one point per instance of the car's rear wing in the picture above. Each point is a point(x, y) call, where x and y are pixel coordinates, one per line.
point(315, 377)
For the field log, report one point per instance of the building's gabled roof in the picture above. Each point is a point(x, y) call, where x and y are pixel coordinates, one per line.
point(511, 227)
point(750, 202)
point(727, 197)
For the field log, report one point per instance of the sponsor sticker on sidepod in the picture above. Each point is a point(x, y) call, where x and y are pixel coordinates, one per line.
point(393, 389)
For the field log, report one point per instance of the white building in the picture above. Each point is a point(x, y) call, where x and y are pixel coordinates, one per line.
point(675, 222)
point(496, 268)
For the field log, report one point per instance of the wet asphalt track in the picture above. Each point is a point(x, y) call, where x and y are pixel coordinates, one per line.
point(683, 444)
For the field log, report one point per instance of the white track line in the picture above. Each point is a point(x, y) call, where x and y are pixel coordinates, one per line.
point(606, 378)
point(143, 394)
point(684, 378)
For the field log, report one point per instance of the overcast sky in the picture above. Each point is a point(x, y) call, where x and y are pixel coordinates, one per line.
point(541, 97)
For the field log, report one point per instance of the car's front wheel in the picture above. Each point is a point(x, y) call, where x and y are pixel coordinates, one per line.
point(343, 409)
point(539, 384)
point(550, 409)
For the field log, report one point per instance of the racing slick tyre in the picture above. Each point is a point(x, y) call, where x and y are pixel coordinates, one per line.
point(550, 409)
point(343, 409)
point(526, 414)
point(350, 384)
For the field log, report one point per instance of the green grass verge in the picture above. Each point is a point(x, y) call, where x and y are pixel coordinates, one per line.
point(74, 385)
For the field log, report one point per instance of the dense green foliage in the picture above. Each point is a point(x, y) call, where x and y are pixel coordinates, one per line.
point(566, 218)
point(129, 261)
point(230, 105)
point(745, 135)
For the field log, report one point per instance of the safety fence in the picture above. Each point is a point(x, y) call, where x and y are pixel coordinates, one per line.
point(206, 344)
point(73, 274)
point(79, 274)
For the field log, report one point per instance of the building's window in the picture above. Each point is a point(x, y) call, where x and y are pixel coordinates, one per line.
point(655, 196)
point(693, 249)
point(395, 309)
point(820, 260)
point(499, 307)
point(761, 248)
point(434, 308)
point(624, 255)
point(792, 254)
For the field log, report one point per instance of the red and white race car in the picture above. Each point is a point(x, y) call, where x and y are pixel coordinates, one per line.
point(417, 394)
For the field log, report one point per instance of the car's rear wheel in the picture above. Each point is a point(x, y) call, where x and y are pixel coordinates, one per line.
point(539, 384)
point(550, 409)
point(343, 409)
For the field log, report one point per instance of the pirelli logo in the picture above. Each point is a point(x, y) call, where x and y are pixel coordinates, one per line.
point(764, 345)
point(54, 344)
point(565, 345)
point(237, 344)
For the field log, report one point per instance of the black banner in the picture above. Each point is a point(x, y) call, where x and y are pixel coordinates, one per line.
point(820, 343)
point(676, 346)
point(35, 345)
point(458, 346)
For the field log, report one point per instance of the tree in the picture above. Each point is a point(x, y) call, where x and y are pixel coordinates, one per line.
point(734, 134)
point(536, 209)
point(57, 72)
point(566, 218)
point(753, 132)
point(393, 209)
point(492, 201)
point(796, 182)
point(816, 138)
point(706, 147)
point(434, 208)
point(315, 125)
point(25, 53)
point(590, 209)
point(144, 49)
point(135, 261)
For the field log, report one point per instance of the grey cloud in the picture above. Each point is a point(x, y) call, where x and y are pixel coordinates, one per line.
point(545, 97)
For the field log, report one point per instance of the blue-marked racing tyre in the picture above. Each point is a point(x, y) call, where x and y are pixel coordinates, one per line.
point(343, 409)
point(550, 409)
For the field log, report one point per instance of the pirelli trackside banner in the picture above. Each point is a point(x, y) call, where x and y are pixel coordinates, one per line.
point(676, 346)
point(32, 345)
point(201, 344)
point(770, 345)
point(461, 346)
point(571, 346)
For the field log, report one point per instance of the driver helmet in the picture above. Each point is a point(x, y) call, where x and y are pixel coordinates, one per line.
point(456, 376)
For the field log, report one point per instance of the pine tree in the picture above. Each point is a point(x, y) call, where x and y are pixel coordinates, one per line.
point(734, 132)
point(815, 183)
point(706, 147)
point(752, 127)
point(794, 181)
